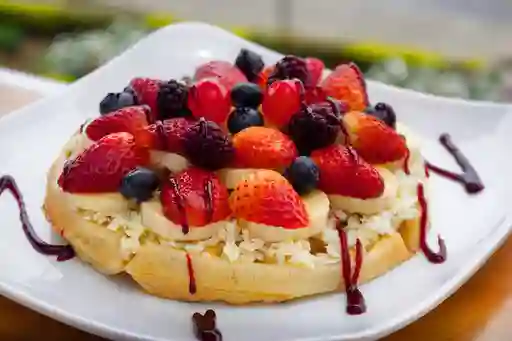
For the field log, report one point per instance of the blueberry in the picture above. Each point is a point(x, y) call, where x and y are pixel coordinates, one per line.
point(139, 184)
point(246, 95)
point(250, 63)
point(115, 101)
point(244, 117)
point(303, 174)
point(384, 112)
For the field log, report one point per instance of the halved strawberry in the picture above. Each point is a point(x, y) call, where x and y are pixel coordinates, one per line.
point(266, 197)
point(315, 67)
point(346, 83)
point(131, 120)
point(343, 172)
point(102, 167)
point(263, 76)
point(146, 90)
point(169, 135)
point(227, 74)
point(376, 142)
point(262, 147)
point(195, 195)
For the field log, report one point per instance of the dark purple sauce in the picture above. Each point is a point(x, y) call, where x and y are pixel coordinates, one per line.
point(179, 203)
point(432, 256)
point(355, 300)
point(192, 289)
point(208, 199)
point(406, 162)
point(205, 328)
point(469, 177)
point(63, 252)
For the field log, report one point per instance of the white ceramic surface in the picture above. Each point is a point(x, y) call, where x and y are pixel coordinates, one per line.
point(473, 227)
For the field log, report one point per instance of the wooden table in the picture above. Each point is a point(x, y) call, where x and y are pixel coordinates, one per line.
point(481, 310)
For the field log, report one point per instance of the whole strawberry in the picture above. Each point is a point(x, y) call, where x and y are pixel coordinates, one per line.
point(102, 167)
point(315, 68)
point(343, 172)
point(225, 72)
point(210, 99)
point(169, 135)
point(346, 83)
point(281, 100)
point(194, 197)
point(375, 141)
point(266, 197)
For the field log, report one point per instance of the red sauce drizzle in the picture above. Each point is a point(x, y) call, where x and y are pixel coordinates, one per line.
point(63, 252)
point(406, 162)
point(205, 326)
point(160, 133)
point(179, 202)
point(469, 177)
point(208, 184)
point(433, 257)
point(427, 173)
point(192, 289)
point(355, 300)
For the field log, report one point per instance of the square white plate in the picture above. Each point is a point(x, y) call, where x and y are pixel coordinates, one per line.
point(72, 292)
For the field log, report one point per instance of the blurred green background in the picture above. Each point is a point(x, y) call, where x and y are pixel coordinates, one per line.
point(66, 39)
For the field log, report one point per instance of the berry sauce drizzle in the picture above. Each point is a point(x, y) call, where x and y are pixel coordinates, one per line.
point(432, 256)
point(208, 199)
point(205, 326)
point(160, 133)
point(63, 252)
point(179, 203)
point(355, 300)
point(192, 288)
point(469, 177)
point(406, 162)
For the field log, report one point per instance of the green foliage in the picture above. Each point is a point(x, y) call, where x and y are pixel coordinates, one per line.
point(11, 37)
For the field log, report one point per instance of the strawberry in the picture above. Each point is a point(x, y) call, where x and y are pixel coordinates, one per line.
point(146, 90)
point(375, 141)
point(169, 135)
point(261, 147)
point(131, 120)
point(227, 74)
point(315, 67)
point(343, 172)
point(282, 100)
point(266, 197)
point(185, 198)
point(346, 83)
point(102, 167)
point(263, 76)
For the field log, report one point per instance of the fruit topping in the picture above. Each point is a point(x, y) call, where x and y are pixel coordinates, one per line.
point(194, 197)
point(303, 174)
point(250, 63)
point(262, 79)
point(172, 100)
point(169, 135)
point(225, 72)
point(147, 90)
point(315, 67)
point(115, 101)
point(207, 146)
point(131, 120)
point(373, 139)
point(246, 95)
point(244, 117)
point(343, 172)
point(291, 67)
point(262, 147)
point(282, 100)
point(266, 197)
point(209, 99)
point(102, 167)
point(346, 83)
point(315, 126)
point(383, 112)
point(139, 184)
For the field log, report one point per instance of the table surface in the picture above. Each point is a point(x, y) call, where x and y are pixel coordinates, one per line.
point(481, 310)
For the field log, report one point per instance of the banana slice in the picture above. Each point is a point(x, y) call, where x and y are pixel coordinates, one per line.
point(172, 161)
point(231, 177)
point(369, 206)
point(317, 207)
point(108, 204)
point(154, 219)
point(76, 145)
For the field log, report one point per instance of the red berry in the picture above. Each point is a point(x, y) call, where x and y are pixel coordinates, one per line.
point(227, 74)
point(315, 67)
point(209, 99)
point(281, 101)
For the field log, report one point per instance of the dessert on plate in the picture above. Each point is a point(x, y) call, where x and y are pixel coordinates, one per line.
point(249, 183)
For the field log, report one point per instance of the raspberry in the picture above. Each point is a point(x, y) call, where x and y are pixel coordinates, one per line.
point(291, 67)
point(172, 100)
point(315, 127)
point(207, 146)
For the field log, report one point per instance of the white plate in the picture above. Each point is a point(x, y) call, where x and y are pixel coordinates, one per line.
point(73, 293)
